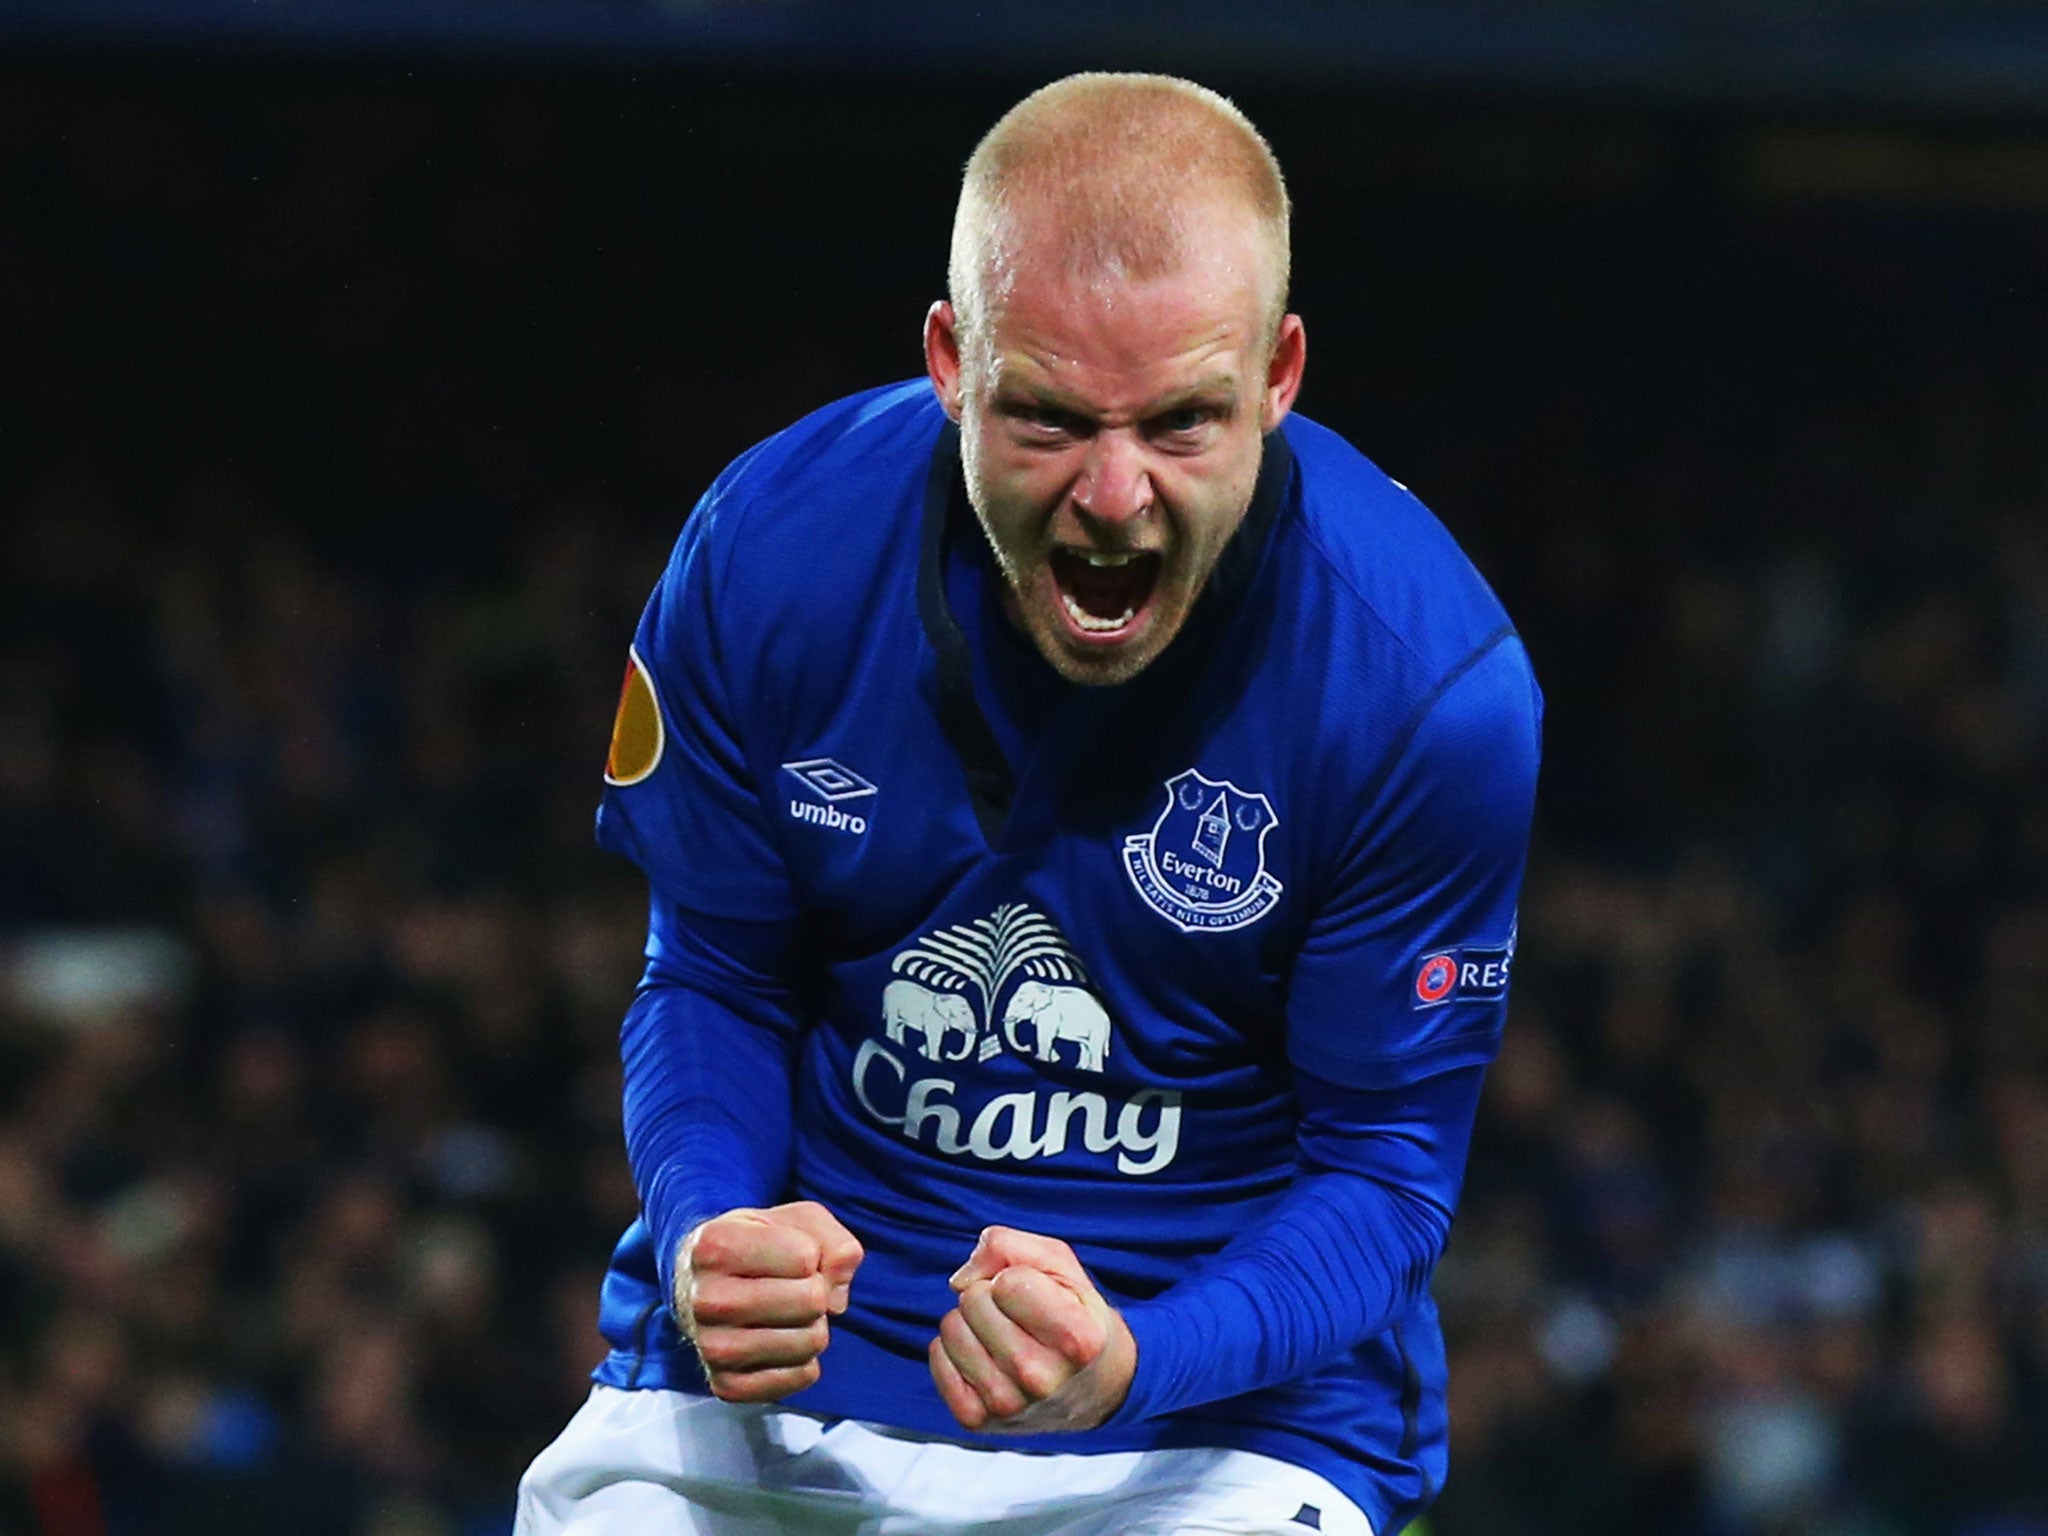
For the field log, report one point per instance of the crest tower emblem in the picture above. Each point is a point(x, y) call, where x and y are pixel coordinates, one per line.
point(1202, 867)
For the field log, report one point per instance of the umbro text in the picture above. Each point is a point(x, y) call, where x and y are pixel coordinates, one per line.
point(827, 816)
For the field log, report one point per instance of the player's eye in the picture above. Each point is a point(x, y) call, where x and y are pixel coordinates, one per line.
point(1184, 424)
point(1048, 418)
point(1047, 426)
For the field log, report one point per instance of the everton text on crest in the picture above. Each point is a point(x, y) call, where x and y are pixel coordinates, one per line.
point(1202, 867)
point(1005, 985)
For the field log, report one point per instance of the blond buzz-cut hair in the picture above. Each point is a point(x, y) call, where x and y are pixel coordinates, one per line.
point(1114, 165)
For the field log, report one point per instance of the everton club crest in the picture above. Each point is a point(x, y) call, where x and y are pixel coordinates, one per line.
point(1202, 867)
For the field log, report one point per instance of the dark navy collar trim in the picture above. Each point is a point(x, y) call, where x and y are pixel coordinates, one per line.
point(991, 784)
point(1247, 547)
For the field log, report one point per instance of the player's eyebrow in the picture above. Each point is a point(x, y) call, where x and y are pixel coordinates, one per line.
point(1217, 388)
point(1209, 391)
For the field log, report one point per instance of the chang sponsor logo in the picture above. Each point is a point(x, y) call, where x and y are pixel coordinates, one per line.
point(1005, 984)
point(1143, 1131)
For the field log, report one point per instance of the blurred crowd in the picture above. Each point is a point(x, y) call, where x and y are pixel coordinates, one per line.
point(347, 423)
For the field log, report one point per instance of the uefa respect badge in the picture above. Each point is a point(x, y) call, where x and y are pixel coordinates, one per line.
point(1470, 973)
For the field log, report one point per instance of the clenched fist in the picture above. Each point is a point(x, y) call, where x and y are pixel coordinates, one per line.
point(1031, 1345)
point(753, 1290)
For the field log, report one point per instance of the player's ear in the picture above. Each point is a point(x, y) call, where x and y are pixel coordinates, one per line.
point(1283, 372)
point(942, 355)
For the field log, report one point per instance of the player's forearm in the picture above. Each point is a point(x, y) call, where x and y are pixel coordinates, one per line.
point(707, 1114)
point(1347, 1252)
point(707, 1048)
point(1311, 1284)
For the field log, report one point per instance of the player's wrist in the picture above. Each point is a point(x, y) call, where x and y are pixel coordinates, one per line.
point(1114, 1369)
point(682, 1302)
point(1152, 1333)
point(683, 1293)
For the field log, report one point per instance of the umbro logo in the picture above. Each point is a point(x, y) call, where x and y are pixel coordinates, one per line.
point(829, 783)
point(829, 780)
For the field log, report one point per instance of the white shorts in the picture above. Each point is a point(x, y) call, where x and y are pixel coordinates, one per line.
point(653, 1463)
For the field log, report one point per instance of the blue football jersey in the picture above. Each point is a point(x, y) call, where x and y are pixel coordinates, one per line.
point(1066, 950)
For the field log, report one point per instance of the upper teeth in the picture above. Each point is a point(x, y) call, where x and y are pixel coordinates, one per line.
point(1097, 558)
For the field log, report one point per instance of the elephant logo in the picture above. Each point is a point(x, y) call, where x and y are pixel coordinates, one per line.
point(948, 990)
point(1058, 1013)
point(908, 1009)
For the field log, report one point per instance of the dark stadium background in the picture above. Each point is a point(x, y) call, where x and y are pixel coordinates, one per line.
point(357, 366)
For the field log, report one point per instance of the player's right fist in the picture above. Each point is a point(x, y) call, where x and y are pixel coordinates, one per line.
point(753, 1291)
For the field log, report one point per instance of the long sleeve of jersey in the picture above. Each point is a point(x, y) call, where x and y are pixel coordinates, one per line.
point(1395, 1008)
point(708, 1047)
point(709, 1040)
point(1347, 1251)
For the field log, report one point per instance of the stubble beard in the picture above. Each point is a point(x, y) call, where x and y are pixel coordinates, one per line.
point(1028, 595)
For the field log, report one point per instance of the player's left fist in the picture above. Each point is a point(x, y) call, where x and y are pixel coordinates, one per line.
point(1031, 1345)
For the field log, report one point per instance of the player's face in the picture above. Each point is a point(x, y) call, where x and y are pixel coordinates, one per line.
point(1110, 436)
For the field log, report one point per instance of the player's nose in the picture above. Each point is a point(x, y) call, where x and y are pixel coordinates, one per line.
point(1115, 485)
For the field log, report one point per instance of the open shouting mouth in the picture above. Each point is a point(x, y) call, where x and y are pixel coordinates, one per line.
point(1104, 596)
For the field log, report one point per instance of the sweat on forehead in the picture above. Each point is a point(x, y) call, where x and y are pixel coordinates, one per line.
point(1112, 175)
